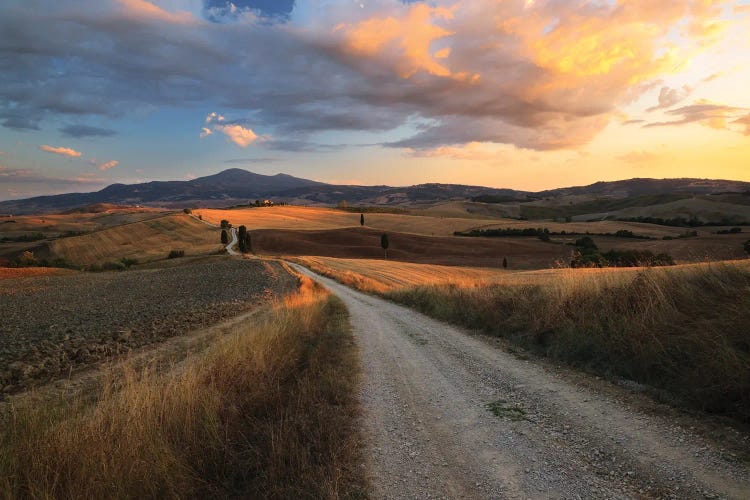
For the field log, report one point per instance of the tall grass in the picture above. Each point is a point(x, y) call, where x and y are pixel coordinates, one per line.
point(268, 411)
point(685, 330)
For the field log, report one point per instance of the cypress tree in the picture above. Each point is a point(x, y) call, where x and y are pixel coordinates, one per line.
point(224, 237)
point(361, 219)
point(384, 244)
point(241, 239)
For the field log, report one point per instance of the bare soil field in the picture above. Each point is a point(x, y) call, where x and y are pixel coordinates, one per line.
point(705, 247)
point(364, 243)
point(52, 325)
point(31, 272)
point(145, 241)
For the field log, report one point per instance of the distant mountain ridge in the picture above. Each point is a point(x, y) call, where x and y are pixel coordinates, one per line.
point(237, 186)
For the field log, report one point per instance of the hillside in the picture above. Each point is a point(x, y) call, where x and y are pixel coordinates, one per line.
point(240, 187)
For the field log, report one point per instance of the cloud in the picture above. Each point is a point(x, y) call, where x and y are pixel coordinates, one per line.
point(238, 134)
point(713, 115)
point(108, 165)
point(641, 157)
point(252, 160)
point(474, 151)
point(78, 131)
point(669, 97)
point(28, 176)
point(745, 121)
point(235, 132)
point(473, 70)
point(71, 153)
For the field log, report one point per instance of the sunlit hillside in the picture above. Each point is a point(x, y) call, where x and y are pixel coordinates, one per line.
point(145, 241)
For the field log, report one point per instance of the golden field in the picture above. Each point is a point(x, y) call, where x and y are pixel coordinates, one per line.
point(145, 241)
point(429, 222)
point(380, 276)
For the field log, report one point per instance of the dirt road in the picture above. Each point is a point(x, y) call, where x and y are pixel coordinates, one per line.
point(448, 415)
point(230, 247)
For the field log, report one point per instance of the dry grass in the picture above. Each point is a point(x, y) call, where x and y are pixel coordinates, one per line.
point(268, 411)
point(145, 241)
point(79, 222)
point(430, 222)
point(685, 330)
point(309, 218)
point(381, 276)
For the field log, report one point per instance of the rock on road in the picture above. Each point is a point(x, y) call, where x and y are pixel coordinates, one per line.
point(447, 415)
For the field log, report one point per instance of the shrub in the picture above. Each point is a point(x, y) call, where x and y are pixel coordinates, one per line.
point(586, 243)
point(187, 210)
point(113, 266)
point(176, 254)
point(127, 262)
point(27, 259)
point(225, 224)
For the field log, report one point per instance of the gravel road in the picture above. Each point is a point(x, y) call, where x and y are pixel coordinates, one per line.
point(230, 247)
point(448, 415)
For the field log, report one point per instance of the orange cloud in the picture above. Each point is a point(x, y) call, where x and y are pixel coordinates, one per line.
point(709, 114)
point(619, 48)
point(72, 153)
point(473, 151)
point(108, 165)
point(744, 121)
point(238, 134)
point(406, 39)
point(146, 10)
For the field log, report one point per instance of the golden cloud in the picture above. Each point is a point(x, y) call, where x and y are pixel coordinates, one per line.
point(71, 153)
point(406, 40)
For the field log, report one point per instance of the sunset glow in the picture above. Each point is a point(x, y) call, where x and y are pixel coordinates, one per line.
point(507, 93)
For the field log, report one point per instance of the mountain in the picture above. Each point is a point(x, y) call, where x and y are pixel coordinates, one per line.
point(237, 186)
point(233, 185)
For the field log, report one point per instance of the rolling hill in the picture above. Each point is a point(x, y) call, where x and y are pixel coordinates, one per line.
point(238, 187)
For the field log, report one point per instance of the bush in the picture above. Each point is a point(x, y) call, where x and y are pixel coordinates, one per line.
point(225, 224)
point(129, 262)
point(176, 254)
point(586, 243)
point(187, 210)
point(113, 266)
point(27, 259)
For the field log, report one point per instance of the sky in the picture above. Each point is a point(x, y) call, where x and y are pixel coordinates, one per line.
point(525, 94)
